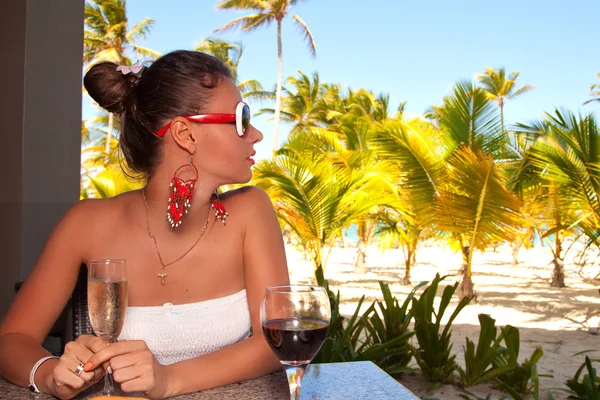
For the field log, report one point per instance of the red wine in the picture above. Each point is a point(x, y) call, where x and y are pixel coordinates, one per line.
point(295, 341)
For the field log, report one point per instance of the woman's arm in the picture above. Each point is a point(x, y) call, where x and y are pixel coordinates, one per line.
point(40, 301)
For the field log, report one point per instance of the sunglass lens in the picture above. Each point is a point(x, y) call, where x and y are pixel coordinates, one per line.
point(245, 118)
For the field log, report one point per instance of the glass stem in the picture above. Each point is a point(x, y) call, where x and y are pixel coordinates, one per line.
point(294, 376)
point(108, 384)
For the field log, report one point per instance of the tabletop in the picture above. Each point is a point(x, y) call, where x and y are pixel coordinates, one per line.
point(335, 381)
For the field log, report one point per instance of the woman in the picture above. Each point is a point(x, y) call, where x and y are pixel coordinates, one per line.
point(198, 263)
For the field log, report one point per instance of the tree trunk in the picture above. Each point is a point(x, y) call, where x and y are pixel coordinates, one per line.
point(109, 131)
point(408, 264)
point(360, 262)
point(502, 116)
point(558, 274)
point(515, 253)
point(317, 258)
point(466, 285)
point(278, 91)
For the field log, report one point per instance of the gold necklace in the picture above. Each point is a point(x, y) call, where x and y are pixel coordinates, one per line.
point(162, 274)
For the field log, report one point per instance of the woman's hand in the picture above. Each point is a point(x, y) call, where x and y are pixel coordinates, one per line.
point(66, 382)
point(134, 367)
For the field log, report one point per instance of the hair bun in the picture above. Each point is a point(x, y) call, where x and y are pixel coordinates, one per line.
point(107, 86)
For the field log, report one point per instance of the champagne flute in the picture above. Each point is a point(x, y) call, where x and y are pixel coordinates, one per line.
point(295, 319)
point(107, 302)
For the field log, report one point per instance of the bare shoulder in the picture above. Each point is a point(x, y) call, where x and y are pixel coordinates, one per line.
point(98, 213)
point(91, 209)
point(82, 210)
point(246, 199)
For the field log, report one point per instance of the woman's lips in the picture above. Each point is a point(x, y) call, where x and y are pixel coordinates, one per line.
point(249, 158)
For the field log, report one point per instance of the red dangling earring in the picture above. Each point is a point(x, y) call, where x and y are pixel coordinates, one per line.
point(219, 207)
point(180, 196)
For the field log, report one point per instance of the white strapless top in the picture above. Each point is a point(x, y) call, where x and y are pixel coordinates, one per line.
point(178, 332)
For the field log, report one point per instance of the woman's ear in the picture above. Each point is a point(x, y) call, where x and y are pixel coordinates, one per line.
point(183, 134)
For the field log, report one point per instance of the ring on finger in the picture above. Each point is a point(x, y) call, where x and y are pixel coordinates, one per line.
point(79, 369)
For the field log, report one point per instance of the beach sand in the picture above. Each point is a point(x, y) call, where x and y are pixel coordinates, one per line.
point(560, 321)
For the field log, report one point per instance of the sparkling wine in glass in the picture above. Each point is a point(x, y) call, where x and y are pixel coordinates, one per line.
point(295, 319)
point(107, 302)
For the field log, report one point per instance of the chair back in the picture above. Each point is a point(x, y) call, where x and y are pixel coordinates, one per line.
point(79, 304)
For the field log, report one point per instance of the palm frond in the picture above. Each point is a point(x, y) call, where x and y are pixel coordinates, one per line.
point(475, 202)
point(146, 52)
point(255, 5)
point(522, 90)
point(420, 167)
point(247, 23)
point(250, 86)
point(470, 118)
point(140, 30)
point(308, 37)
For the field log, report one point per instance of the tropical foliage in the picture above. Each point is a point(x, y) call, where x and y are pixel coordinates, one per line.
point(566, 158)
point(231, 53)
point(434, 353)
point(480, 363)
point(460, 175)
point(594, 91)
point(109, 37)
point(499, 87)
point(265, 13)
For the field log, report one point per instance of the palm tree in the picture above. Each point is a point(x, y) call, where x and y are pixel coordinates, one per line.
point(566, 155)
point(359, 103)
point(345, 140)
point(102, 173)
point(594, 91)
point(500, 88)
point(522, 180)
point(109, 183)
point(412, 146)
point(267, 11)
point(303, 106)
point(467, 117)
point(476, 207)
point(230, 54)
point(316, 200)
point(473, 206)
point(308, 103)
point(107, 37)
point(356, 151)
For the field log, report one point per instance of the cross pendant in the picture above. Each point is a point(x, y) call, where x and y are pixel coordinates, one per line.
point(162, 275)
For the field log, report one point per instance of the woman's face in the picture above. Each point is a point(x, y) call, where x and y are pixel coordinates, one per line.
point(221, 152)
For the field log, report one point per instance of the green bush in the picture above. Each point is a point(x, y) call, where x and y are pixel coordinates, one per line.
point(381, 335)
point(479, 364)
point(386, 326)
point(588, 388)
point(342, 341)
point(434, 353)
point(523, 379)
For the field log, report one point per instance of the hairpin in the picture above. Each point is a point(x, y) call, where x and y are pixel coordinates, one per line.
point(126, 69)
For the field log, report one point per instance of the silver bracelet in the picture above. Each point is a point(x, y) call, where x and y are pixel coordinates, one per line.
point(32, 385)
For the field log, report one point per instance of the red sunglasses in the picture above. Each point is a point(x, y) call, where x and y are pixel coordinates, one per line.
point(241, 119)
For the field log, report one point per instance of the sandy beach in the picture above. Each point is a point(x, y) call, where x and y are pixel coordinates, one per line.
point(560, 321)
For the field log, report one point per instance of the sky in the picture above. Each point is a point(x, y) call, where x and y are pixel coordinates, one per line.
point(414, 50)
